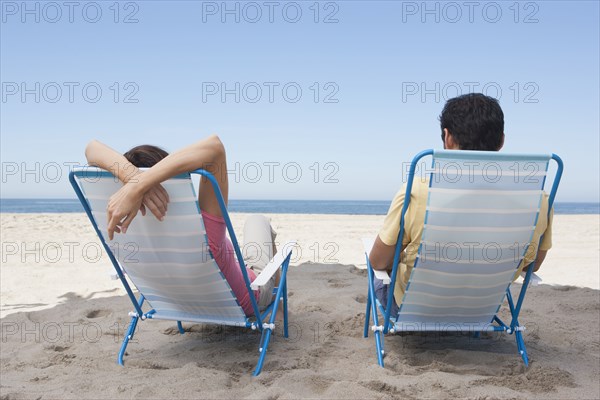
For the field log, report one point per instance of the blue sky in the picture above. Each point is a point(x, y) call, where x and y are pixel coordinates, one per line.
point(317, 105)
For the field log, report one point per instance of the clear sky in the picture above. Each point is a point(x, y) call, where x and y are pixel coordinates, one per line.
point(313, 100)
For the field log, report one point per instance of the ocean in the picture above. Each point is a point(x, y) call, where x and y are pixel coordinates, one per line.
point(351, 207)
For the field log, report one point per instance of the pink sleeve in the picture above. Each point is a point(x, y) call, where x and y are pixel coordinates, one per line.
point(224, 254)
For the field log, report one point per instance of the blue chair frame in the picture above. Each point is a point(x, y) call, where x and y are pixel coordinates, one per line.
point(259, 324)
point(515, 308)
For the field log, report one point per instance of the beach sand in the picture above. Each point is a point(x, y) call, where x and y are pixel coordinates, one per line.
point(63, 321)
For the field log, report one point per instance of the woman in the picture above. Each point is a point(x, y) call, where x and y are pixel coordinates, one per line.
point(142, 191)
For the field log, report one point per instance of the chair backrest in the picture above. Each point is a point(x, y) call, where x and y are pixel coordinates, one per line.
point(168, 261)
point(482, 209)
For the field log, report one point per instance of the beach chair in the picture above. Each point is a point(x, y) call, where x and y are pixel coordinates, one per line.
point(481, 212)
point(171, 265)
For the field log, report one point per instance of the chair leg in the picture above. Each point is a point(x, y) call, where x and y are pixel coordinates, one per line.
point(266, 338)
point(514, 324)
point(263, 350)
point(378, 337)
point(367, 316)
point(128, 336)
point(522, 348)
point(285, 311)
point(180, 327)
point(379, 345)
point(267, 331)
point(373, 307)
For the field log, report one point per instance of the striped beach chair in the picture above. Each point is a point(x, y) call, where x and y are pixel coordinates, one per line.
point(170, 263)
point(481, 212)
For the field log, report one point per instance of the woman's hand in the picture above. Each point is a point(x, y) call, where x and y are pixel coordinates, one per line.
point(122, 208)
point(124, 205)
point(155, 200)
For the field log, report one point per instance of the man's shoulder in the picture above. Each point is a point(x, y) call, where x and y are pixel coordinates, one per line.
point(420, 187)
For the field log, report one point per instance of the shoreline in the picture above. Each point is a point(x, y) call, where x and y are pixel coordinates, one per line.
point(270, 206)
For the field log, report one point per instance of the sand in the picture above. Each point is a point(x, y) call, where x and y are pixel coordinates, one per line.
point(63, 319)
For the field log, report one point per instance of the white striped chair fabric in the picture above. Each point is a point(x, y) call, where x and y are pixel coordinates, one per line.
point(168, 261)
point(482, 209)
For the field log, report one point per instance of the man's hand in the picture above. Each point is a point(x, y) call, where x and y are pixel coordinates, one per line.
point(122, 208)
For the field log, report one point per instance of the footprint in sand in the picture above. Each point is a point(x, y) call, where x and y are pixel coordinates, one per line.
point(150, 365)
point(172, 330)
point(361, 299)
point(336, 283)
point(97, 314)
point(58, 349)
point(381, 387)
point(357, 271)
point(537, 379)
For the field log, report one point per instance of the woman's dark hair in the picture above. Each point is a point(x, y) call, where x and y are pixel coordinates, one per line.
point(145, 156)
point(475, 121)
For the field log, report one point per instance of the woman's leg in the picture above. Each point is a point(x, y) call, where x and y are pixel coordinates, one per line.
point(259, 248)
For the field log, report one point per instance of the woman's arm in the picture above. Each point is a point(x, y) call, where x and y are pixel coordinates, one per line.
point(204, 154)
point(208, 154)
point(100, 155)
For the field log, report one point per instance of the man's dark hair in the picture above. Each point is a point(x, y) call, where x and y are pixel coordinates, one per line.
point(145, 156)
point(475, 121)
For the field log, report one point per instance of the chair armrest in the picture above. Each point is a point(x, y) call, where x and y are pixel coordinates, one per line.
point(379, 274)
point(273, 266)
point(383, 276)
point(535, 279)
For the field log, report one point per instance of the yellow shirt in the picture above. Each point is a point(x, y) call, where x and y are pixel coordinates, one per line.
point(413, 230)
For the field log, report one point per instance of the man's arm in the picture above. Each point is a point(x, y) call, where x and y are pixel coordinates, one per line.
point(546, 240)
point(382, 255)
point(541, 256)
point(207, 154)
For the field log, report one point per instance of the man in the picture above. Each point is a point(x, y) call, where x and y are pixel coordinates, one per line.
point(468, 122)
